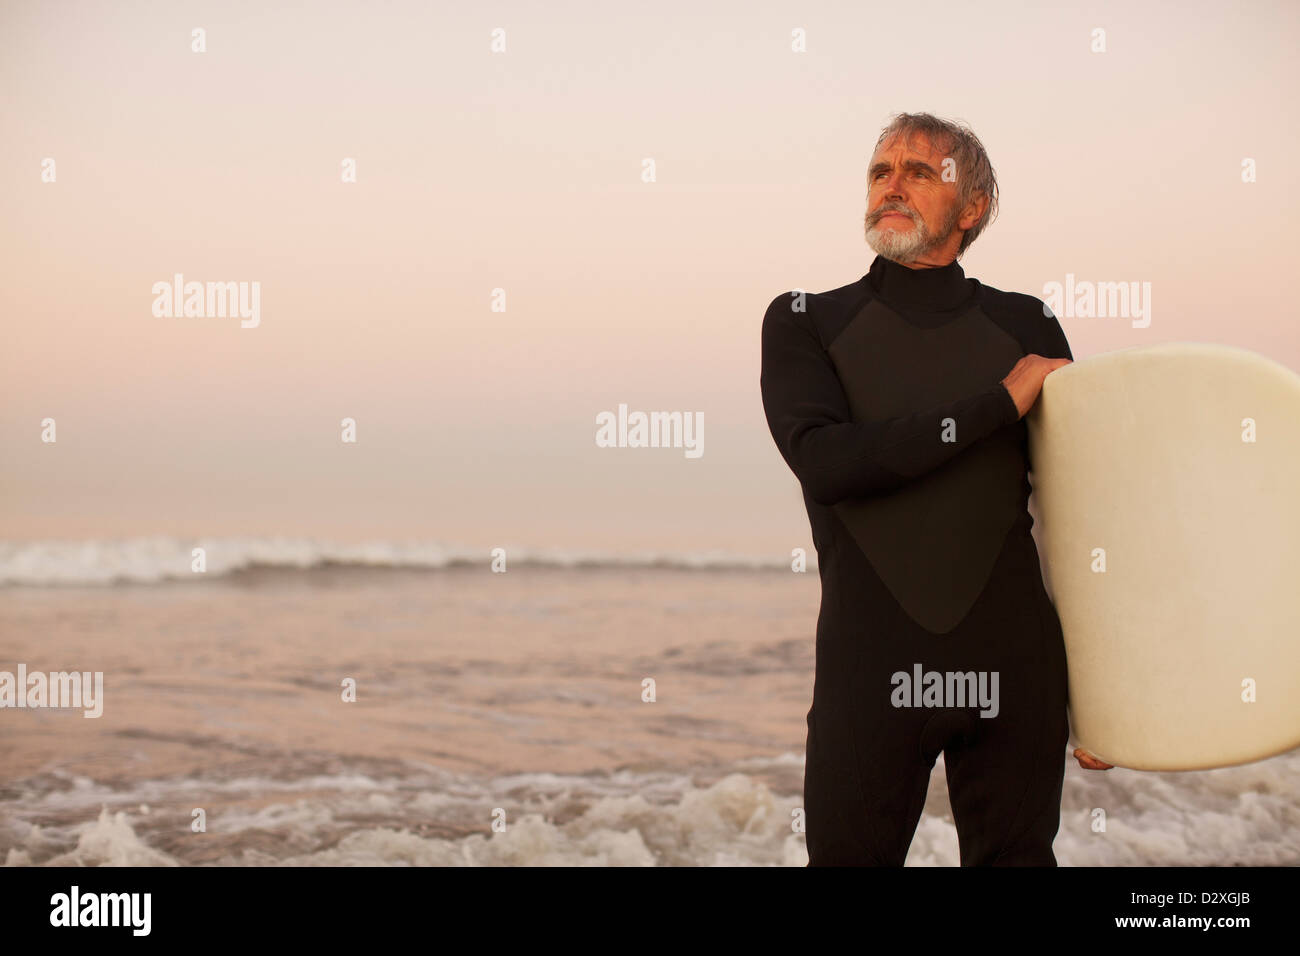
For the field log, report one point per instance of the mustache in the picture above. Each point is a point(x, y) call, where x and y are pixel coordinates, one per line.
point(885, 211)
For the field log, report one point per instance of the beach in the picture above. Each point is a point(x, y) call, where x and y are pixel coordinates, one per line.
point(498, 719)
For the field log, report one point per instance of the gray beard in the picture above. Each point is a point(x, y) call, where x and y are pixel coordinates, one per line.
point(901, 247)
point(909, 245)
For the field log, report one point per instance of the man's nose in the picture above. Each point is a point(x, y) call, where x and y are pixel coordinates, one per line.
point(894, 197)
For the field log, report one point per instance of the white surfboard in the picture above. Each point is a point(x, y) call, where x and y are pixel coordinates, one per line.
point(1167, 486)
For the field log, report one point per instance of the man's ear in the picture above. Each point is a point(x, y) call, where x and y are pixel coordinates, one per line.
point(973, 211)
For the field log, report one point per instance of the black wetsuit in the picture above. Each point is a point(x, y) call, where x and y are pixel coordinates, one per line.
point(926, 558)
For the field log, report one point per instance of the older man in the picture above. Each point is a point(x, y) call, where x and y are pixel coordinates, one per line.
point(898, 400)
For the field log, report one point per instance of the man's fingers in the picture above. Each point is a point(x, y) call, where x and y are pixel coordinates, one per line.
point(1088, 762)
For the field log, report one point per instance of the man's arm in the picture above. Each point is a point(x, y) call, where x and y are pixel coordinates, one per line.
point(835, 457)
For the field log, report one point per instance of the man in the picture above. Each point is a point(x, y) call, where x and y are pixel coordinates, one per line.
point(898, 400)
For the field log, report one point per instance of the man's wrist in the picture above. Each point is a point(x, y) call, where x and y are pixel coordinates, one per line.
point(1010, 411)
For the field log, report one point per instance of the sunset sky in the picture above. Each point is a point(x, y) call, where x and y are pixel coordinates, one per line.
point(522, 171)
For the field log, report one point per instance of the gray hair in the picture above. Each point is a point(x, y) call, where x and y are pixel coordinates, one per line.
point(974, 171)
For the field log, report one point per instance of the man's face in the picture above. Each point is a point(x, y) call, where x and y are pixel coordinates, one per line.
point(911, 211)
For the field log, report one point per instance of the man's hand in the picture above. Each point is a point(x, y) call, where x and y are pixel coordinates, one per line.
point(1088, 762)
point(1025, 380)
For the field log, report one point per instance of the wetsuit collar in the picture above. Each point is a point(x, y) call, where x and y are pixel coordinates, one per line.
point(932, 289)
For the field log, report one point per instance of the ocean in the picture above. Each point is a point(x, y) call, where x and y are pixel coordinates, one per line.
point(497, 719)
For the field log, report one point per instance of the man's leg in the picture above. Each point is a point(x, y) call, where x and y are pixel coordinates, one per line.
point(1007, 815)
point(1004, 779)
point(862, 797)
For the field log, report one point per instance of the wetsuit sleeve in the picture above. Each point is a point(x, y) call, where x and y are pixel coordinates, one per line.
point(835, 457)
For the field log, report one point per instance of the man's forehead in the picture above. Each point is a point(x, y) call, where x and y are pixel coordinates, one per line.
point(917, 143)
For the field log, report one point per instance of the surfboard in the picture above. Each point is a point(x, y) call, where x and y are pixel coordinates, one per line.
point(1166, 481)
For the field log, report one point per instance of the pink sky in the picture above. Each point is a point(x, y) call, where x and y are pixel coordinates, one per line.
point(522, 171)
